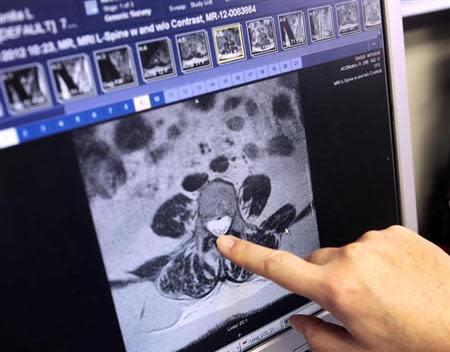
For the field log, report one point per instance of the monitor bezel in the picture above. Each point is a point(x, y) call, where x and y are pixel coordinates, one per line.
point(401, 125)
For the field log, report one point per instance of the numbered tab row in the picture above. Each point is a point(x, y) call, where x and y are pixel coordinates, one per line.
point(231, 80)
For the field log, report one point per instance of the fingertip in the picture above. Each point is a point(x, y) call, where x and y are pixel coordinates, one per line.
point(320, 334)
point(299, 322)
point(225, 243)
point(294, 322)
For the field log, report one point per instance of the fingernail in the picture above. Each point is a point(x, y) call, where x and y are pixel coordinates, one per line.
point(226, 242)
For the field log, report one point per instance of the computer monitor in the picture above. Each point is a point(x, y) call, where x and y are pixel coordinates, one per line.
point(133, 133)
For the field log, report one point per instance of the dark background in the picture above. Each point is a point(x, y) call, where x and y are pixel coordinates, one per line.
point(434, 207)
point(54, 291)
point(349, 136)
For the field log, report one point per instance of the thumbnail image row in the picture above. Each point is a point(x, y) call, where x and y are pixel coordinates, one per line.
point(25, 88)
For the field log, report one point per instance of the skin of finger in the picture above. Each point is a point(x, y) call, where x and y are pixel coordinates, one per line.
point(322, 256)
point(323, 336)
point(400, 278)
point(285, 269)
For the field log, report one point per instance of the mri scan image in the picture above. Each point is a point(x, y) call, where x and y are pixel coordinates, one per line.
point(194, 51)
point(163, 185)
point(321, 23)
point(25, 89)
point(72, 78)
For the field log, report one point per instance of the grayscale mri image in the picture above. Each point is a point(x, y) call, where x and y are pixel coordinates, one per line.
point(72, 78)
point(262, 36)
point(194, 51)
point(348, 17)
point(25, 89)
point(156, 59)
point(321, 23)
point(116, 68)
point(372, 13)
point(163, 185)
point(292, 28)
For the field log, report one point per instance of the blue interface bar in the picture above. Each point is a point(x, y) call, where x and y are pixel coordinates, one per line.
point(100, 27)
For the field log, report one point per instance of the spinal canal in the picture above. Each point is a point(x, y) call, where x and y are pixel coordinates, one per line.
point(219, 226)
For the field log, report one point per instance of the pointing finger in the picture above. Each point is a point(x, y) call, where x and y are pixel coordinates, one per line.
point(286, 269)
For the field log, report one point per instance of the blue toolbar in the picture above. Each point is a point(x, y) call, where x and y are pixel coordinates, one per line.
point(59, 74)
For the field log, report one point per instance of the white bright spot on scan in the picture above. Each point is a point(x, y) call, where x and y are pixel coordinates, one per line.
point(219, 226)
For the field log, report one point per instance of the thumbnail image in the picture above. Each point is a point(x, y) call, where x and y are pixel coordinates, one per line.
point(25, 89)
point(372, 13)
point(229, 43)
point(164, 184)
point(91, 7)
point(194, 51)
point(321, 23)
point(116, 68)
point(72, 78)
point(262, 36)
point(292, 29)
point(348, 17)
point(156, 59)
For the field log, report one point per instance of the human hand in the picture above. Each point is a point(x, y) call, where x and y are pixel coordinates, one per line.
point(390, 289)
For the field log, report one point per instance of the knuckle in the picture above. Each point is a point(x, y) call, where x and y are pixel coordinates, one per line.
point(352, 250)
point(370, 236)
point(314, 256)
point(272, 262)
point(395, 229)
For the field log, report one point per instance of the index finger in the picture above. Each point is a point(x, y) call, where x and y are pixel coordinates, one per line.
point(285, 269)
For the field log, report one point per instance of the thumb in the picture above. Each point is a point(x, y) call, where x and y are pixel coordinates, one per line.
point(324, 337)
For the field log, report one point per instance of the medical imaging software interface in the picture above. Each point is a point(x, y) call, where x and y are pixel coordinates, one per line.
point(133, 133)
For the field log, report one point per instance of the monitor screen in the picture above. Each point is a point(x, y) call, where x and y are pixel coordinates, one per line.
point(133, 133)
